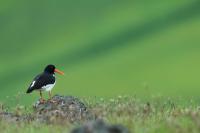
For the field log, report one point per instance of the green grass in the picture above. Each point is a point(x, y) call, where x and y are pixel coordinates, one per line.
point(105, 48)
point(157, 115)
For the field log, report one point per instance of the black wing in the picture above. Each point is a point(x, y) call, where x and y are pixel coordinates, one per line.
point(40, 81)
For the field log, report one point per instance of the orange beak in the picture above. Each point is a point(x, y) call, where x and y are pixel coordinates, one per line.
point(59, 72)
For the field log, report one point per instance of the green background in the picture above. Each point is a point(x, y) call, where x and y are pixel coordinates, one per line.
point(106, 48)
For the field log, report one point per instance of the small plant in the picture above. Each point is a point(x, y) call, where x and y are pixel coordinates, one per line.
point(156, 115)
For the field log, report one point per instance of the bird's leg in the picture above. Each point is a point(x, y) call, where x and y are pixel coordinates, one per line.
point(50, 95)
point(41, 98)
point(50, 98)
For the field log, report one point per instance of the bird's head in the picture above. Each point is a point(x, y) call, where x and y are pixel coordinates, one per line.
point(51, 69)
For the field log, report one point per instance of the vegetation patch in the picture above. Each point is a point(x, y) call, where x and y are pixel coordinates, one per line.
point(157, 115)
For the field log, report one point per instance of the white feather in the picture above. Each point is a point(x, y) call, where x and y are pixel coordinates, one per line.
point(48, 87)
point(33, 83)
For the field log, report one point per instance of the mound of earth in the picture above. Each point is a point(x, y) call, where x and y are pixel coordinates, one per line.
point(63, 108)
point(99, 126)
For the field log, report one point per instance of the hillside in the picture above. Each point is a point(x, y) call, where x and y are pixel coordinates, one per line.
point(105, 48)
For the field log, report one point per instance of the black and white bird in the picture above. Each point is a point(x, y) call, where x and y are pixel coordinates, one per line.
point(44, 81)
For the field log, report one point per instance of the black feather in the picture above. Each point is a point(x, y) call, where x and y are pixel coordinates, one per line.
point(29, 90)
point(40, 81)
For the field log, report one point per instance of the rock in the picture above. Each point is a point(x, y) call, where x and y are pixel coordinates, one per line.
point(63, 108)
point(99, 126)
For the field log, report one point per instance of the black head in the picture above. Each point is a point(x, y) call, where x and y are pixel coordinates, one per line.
point(50, 69)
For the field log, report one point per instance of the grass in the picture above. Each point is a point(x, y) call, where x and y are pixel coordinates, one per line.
point(157, 115)
point(148, 49)
point(105, 48)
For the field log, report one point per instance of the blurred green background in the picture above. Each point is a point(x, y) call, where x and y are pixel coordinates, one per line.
point(106, 48)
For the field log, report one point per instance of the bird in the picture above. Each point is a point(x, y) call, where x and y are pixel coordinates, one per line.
point(44, 81)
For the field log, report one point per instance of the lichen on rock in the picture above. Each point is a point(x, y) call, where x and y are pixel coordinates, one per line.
point(63, 108)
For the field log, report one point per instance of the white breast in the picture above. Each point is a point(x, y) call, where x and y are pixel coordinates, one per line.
point(48, 87)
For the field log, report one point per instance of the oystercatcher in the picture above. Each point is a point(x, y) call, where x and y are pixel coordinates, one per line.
point(44, 81)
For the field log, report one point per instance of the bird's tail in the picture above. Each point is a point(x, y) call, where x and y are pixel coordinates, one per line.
point(29, 90)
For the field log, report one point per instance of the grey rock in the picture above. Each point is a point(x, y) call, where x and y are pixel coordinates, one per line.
point(99, 126)
point(63, 108)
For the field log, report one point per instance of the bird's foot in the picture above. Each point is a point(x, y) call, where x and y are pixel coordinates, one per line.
point(42, 101)
point(52, 101)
